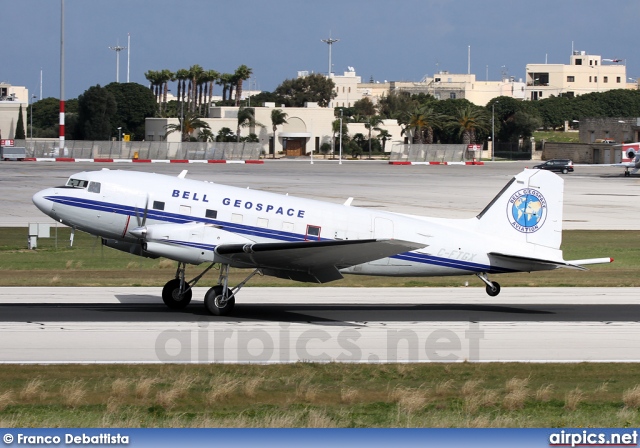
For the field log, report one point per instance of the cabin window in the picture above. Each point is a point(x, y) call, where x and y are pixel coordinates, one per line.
point(77, 183)
point(158, 205)
point(263, 222)
point(213, 214)
point(313, 233)
point(185, 210)
point(94, 187)
point(236, 218)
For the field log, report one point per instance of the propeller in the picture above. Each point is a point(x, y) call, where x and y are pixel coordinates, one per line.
point(140, 232)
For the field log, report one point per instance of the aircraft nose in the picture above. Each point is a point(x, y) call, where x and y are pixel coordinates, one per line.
point(40, 200)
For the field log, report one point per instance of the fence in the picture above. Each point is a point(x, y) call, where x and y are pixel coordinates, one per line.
point(83, 149)
point(429, 153)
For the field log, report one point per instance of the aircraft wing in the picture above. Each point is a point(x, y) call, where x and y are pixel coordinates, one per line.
point(311, 261)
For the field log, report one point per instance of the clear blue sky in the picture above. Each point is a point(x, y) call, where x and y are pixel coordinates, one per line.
point(383, 39)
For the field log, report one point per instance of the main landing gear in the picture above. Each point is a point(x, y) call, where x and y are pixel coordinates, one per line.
point(493, 288)
point(218, 300)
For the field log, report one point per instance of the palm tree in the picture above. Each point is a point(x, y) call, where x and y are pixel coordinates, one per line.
point(188, 124)
point(278, 117)
point(468, 120)
point(241, 74)
point(225, 81)
point(164, 76)
point(153, 78)
point(195, 73)
point(420, 123)
point(246, 118)
point(384, 136)
point(372, 124)
point(181, 76)
point(211, 76)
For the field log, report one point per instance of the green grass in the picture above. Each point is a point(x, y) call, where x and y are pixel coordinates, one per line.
point(557, 136)
point(87, 263)
point(321, 395)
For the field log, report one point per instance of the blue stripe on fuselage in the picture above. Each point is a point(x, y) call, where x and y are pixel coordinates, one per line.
point(241, 229)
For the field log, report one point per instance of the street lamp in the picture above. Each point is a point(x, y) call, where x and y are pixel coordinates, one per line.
point(493, 131)
point(31, 117)
point(340, 159)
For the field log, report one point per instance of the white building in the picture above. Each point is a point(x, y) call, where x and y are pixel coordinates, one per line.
point(307, 128)
point(11, 98)
point(584, 74)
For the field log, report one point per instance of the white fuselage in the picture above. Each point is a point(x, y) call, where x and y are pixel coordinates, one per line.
point(115, 202)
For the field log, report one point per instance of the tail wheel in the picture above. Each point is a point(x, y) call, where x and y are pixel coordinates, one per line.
point(494, 289)
point(173, 297)
point(218, 302)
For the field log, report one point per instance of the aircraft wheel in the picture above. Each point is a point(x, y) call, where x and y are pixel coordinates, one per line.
point(493, 290)
point(627, 174)
point(171, 295)
point(217, 303)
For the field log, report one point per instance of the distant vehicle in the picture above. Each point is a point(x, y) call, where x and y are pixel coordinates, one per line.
point(55, 152)
point(563, 166)
point(605, 140)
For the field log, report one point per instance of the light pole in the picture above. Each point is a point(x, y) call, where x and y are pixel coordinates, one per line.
point(340, 159)
point(120, 140)
point(493, 131)
point(31, 118)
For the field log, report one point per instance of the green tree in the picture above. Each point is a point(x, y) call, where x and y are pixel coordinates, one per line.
point(153, 76)
point(188, 125)
point(20, 135)
point(46, 117)
point(468, 121)
point(181, 77)
point(313, 88)
point(278, 118)
point(247, 119)
point(225, 135)
point(241, 74)
point(163, 78)
point(195, 84)
point(96, 112)
point(134, 104)
point(364, 107)
point(226, 82)
point(372, 123)
point(421, 122)
point(384, 136)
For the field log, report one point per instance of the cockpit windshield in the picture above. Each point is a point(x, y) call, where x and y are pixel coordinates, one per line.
point(77, 183)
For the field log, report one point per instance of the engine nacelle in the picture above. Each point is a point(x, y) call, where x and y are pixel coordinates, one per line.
point(189, 243)
point(132, 248)
point(631, 154)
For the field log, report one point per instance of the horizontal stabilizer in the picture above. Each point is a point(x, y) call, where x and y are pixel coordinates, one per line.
point(318, 261)
point(519, 263)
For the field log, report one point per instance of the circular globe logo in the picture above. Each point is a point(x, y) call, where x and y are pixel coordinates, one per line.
point(527, 210)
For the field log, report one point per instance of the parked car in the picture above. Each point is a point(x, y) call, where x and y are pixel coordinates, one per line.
point(563, 166)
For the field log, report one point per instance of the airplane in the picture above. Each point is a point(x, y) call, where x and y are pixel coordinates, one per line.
point(630, 158)
point(195, 222)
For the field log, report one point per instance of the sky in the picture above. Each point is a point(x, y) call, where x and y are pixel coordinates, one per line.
point(394, 40)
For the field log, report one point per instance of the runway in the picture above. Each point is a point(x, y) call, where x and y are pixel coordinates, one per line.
point(131, 325)
point(111, 325)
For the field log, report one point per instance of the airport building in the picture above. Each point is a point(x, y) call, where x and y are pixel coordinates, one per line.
point(585, 74)
point(11, 98)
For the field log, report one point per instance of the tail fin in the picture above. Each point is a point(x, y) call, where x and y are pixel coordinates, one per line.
point(528, 209)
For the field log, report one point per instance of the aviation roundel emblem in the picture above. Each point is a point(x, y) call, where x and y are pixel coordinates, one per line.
point(527, 210)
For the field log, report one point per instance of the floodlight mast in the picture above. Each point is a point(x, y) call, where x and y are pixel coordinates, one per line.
point(330, 42)
point(117, 49)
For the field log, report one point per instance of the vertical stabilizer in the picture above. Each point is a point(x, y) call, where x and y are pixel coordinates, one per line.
point(528, 209)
